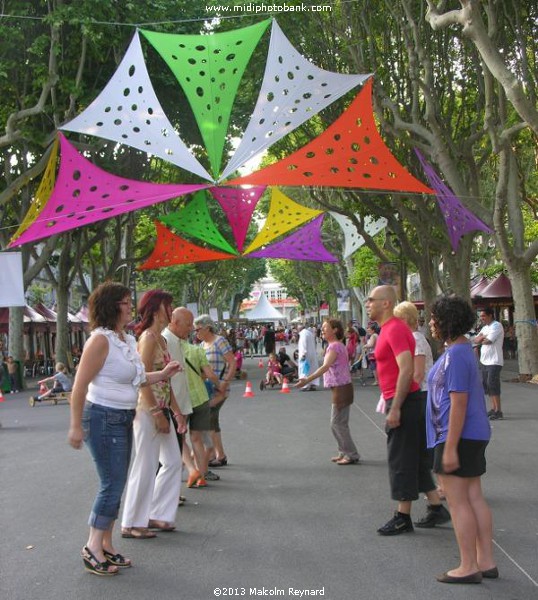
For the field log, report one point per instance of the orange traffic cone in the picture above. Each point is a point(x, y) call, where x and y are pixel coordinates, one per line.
point(248, 391)
point(260, 363)
point(285, 387)
point(1, 395)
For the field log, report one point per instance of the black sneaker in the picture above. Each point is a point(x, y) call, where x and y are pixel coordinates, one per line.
point(491, 413)
point(210, 476)
point(435, 515)
point(400, 523)
point(496, 415)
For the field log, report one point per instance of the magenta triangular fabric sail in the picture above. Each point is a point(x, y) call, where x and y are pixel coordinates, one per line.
point(85, 194)
point(304, 244)
point(459, 219)
point(238, 205)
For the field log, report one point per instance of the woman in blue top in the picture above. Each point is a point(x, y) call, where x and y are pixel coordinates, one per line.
point(458, 429)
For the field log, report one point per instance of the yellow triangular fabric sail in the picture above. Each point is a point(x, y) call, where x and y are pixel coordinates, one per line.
point(284, 215)
point(42, 194)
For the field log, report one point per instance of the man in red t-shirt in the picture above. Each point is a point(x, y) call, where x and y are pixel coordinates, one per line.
point(409, 467)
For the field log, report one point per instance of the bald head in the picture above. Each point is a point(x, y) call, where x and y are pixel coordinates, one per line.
point(387, 293)
point(380, 303)
point(181, 322)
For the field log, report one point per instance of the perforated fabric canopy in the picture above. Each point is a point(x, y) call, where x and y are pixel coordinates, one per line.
point(349, 153)
point(43, 192)
point(209, 69)
point(284, 215)
point(293, 90)
point(86, 194)
point(128, 111)
point(352, 238)
point(194, 219)
point(304, 244)
point(170, 249)
point(238, 204)
point(459, 219)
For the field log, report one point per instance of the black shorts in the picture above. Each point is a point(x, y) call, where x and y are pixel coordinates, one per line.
point(199, 418)
point(491, 379)
point(472, 455)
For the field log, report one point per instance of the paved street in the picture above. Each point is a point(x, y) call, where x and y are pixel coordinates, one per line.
point(282, 516)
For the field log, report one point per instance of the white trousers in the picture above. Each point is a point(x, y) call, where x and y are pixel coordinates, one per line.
point(149, 496)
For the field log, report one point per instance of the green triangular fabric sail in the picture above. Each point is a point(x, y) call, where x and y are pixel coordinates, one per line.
point(209, 69)
point(195, 220)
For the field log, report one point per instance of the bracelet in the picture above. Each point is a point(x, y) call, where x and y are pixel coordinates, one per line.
point(177, 416)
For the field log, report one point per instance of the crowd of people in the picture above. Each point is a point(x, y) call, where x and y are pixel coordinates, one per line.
point(162, 393)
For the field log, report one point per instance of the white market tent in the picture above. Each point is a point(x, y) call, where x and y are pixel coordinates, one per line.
point(264, 311)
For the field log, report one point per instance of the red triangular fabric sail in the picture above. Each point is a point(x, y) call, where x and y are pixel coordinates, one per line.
point(349, 153)
point(304, 244)
point(85, 194)
point(238, 205)
point(170, 250)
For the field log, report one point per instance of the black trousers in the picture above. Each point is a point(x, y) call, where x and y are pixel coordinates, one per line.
point(410, 461)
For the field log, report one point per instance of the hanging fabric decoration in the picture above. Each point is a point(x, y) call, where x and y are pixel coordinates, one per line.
point(127, 111)
point(42, 194)
point(170, 250)
point(459, 220)
point(284, 215)
point(195, 220)
point(238, 204)
point(349, 153)
point(209, 69)
point(86, 194)
point(304, 244)
point(352, 239)
point(293, 90)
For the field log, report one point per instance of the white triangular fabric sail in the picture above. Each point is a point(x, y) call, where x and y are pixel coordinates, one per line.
point(352, 239)
point(293, 90)
point(128, 111)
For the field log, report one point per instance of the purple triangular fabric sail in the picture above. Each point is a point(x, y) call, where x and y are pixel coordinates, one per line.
point(85, 194)
point(459, 219)
point(304, 244)
point(238, 204)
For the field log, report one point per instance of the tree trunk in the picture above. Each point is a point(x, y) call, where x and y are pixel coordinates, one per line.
point(16, 335)
point(524, 319)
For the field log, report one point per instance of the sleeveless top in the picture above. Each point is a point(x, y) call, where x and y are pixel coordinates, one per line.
point(161, 390)
point(116, 384)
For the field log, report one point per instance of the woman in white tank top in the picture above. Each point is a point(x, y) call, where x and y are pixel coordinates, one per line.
point(103, 404)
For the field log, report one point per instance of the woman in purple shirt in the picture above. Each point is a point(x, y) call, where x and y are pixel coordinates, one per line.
point(458, 429)
point(336, 376)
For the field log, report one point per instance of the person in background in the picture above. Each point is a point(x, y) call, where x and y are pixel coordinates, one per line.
point(458, 430)
point(103, 405)
point(307, 357)
point(337, 377)
point(222, 360)
point(13, 376)
point(436, 513)
point(62, 382)
point(151, 502)
point(490, 339)
point(352, 343)
point(273, 374)
point(371, 341)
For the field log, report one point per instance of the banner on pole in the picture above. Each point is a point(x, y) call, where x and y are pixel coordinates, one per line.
point(11, 279)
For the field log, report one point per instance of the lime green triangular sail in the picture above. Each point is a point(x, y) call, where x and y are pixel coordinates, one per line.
point(209, 68)
point(194, 219)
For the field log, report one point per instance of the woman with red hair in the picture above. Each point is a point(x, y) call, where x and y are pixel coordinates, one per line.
point(151, 502)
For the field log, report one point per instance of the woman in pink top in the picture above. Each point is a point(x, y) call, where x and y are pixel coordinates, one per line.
point(336, 376)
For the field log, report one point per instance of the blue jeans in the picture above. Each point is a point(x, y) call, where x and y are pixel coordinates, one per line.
point(108, 433)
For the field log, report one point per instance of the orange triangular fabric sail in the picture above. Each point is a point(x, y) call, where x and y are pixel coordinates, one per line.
point(349, 153)
point(170, 250)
